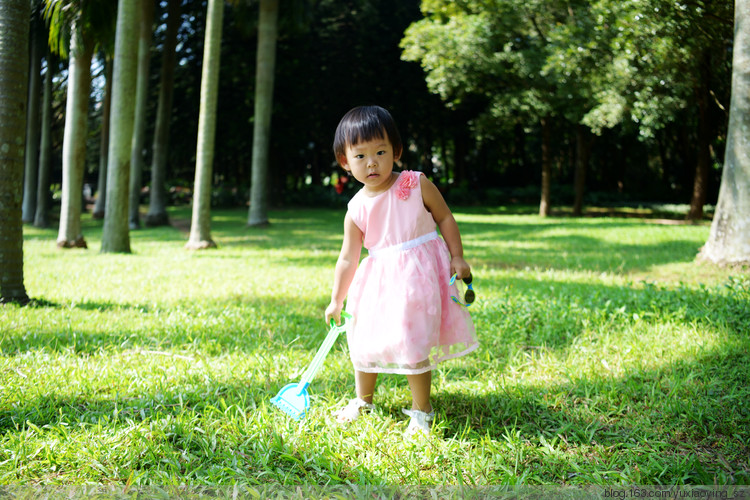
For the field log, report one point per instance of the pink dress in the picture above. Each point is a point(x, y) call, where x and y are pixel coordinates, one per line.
point(405, 321)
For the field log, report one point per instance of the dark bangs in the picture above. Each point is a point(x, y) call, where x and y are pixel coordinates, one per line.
point(366, 123)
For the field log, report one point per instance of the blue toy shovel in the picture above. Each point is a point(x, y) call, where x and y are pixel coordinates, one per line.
point(293, 399)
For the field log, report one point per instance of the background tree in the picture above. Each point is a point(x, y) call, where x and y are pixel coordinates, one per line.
point(80, 52)
point(115, 234)
point(200, 227)
point(679, 70)
point(157, 205)
point(264, 78)
point(495, 52)
point(43, 196)
point(729, 241)
point(145, 35)
point(37, 37)
point(106, 107)
point(75, 27)
point(14, 70)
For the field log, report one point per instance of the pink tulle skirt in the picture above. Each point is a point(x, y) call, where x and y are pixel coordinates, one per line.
point(404, 319)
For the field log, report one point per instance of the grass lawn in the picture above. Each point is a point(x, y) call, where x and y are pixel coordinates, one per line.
point(608, 357)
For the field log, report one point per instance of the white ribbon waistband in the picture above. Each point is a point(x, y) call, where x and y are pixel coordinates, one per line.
point(374, 252)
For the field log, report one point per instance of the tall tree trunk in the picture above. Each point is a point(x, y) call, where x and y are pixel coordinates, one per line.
point(32, 126)
point(200, 227)
point(41, 217)
point(74, 141)
point(115, 234)
point(583, 153)
point(264, 78)
point(544, 204)
point(703, 162)
point(157, 205)
point(101, 185)
point(136, 156)
point(729, 240)
point(14, 71)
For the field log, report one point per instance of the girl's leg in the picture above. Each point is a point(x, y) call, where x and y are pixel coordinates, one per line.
point(420, 386)
point(364, 384)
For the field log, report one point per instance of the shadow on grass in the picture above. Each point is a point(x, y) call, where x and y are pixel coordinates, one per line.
point(232, 324)
point(541, 245)
point(503, 241)
point(526, 316)
point(686, 421)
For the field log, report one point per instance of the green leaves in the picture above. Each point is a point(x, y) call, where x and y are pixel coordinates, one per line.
point(600, 63)
point(94, 21)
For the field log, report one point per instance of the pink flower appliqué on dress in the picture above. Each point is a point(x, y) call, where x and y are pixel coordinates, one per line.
point(406, 182)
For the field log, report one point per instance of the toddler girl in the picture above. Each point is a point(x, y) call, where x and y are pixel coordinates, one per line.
point(404, 319)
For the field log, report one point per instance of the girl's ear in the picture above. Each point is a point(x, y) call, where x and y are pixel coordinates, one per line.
point(342, 161)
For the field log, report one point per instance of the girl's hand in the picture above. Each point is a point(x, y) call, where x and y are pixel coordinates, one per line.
point(334, 311)
point(460, 268)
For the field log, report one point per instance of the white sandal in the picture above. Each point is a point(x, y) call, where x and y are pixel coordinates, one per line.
point(419, 422)
point(353, 410)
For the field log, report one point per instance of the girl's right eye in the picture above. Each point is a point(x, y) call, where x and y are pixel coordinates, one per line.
point(359, 157)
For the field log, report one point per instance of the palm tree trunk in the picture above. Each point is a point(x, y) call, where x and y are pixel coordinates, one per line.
point(200, 227)
point(74, 141)
point(32, 127)
point(14, 71)
point(101, 185)
point(115, 234)
point(157, 206)
point(264, 77)
point(41, 217)
point(136, 156)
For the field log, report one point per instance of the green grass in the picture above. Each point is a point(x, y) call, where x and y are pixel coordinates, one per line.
point(608, 356)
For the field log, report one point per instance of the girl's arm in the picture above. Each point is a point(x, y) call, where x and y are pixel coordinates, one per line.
point(435, 204)
point(346, 266)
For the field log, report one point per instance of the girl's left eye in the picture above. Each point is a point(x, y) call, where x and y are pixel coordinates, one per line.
point(381, 153)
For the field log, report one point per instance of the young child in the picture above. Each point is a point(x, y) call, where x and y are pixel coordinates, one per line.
point(400, 297)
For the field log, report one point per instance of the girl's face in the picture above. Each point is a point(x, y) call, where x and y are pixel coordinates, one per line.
point(371, 163)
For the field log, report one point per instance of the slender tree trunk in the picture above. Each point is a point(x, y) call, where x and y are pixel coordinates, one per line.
point(115, 234)
point(264, 78)
point(729, 241)
point(157, 207)
point(41, 217)
point(460, 150)
point(583, 152)
point(200, 227)
point(101, 185)
point(32, 127)
point(14, 71)
point(544, 205)
point(703, 161)
point(74, 141)
point(145, 35)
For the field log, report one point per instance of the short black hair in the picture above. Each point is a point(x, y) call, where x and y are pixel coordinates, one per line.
point(365, 123)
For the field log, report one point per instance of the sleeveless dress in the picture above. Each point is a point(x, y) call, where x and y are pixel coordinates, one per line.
point(404, 319)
